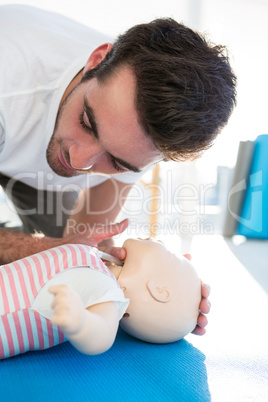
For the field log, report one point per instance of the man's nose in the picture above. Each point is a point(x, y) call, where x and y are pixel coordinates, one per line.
point(84, 157)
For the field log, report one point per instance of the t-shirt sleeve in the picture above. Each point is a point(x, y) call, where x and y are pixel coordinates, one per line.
point(92, 286)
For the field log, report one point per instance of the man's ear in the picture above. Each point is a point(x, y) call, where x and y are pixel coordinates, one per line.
point(158, 292)
point(97, 56)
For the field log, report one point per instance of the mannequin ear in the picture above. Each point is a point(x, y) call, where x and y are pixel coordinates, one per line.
point(158, 292)
point(97, 56)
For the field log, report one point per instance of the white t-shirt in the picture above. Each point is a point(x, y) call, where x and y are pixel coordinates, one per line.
point(92, 286)
point(40, 53)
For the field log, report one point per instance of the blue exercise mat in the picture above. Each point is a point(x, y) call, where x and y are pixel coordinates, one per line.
point(130, 371)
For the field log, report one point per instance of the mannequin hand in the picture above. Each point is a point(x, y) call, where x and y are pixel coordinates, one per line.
point(69, 312)
point(204, 307)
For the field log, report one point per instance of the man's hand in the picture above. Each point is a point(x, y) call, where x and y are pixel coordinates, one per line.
point(204, 306)
point(69, 312)
point(98, 234)
point(117, 252)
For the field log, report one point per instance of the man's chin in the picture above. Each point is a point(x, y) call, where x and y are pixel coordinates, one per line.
point(61, 171)
point(65, 174)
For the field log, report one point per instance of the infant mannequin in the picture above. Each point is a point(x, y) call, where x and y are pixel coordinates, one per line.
point(160, 294)
point(164, 292)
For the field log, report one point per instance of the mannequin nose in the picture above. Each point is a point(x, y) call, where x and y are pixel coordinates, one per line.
point(82, 158)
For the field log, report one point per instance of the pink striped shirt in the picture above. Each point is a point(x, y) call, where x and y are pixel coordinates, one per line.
point(21, 328)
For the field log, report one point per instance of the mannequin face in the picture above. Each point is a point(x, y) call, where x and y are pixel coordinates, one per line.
point(164, 292)
point(146, 260)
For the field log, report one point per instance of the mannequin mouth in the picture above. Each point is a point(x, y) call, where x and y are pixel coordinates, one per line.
point(120, 271)
point(115, 269)
point(110, 258)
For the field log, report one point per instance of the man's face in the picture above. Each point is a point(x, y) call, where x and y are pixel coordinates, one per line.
point(98, 130)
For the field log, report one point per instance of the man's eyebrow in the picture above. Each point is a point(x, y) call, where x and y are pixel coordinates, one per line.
point(91, 118)
point(127, 165)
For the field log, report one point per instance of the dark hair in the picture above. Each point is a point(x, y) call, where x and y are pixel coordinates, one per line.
point(185, 86)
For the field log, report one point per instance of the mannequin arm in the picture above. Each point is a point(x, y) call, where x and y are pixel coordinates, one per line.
point(92, 330)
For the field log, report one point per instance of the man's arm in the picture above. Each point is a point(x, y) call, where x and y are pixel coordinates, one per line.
point(14, 246)
point(87, 225)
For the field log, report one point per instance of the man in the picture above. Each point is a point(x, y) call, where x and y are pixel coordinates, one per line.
point(75, 132)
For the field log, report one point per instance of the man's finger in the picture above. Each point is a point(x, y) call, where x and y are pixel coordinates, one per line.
point(205, 290)
point(199, 331)
point(117, 252)
point(104, 232)
point(205, 306)
point(202, 320)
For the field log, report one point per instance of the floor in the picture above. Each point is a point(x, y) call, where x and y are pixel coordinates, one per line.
point(236, 344)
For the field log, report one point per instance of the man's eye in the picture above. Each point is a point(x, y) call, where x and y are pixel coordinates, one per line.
point(86, 126)
point(116, 166)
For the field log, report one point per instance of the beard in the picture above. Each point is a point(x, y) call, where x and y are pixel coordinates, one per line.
point(53, 160)
point(52, 152)
point(55, 144)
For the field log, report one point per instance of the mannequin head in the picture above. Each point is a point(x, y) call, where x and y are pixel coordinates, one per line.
point(164, 292)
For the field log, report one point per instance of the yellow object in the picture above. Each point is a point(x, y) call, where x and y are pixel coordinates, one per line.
point(154, 188)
